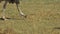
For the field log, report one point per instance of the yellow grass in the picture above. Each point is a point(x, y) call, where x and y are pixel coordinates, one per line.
point(42, 17)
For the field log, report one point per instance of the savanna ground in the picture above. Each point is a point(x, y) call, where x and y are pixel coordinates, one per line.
point(43, 17)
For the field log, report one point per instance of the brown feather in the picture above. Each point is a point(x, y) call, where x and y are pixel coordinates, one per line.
point(11, 1)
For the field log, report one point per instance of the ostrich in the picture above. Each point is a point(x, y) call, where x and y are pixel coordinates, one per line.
point(11, 1)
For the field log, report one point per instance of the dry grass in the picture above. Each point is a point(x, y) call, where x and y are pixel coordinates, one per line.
point(42, 17)
point(7, 31)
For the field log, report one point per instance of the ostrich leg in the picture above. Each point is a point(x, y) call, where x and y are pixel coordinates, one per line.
point(20, 11)
point(4, 7)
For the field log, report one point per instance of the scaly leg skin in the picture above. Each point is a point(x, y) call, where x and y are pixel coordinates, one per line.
point(20, 11)
point(4, 7)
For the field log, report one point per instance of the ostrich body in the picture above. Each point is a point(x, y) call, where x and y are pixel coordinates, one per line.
point(17, 2)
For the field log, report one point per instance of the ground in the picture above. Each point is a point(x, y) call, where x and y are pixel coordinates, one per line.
point(43, 17)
